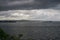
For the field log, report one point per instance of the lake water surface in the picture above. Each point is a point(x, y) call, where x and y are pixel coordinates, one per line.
point(35, 30)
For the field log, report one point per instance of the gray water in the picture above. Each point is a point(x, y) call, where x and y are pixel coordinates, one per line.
point(35, 30)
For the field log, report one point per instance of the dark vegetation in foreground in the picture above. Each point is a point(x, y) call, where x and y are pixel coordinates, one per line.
point(5, 36)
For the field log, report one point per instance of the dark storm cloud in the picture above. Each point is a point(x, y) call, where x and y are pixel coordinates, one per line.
point(27, 4)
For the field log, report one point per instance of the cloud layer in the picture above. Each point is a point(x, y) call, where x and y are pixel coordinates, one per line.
point(39, 14)
point(27, 4)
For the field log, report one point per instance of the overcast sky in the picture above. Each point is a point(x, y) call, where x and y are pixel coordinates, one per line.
point(30, 9)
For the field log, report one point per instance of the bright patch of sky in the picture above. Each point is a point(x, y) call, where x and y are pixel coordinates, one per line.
point(38, 14)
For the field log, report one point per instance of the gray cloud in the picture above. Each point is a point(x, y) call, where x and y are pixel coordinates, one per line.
point(57, 7)
point(27, 4)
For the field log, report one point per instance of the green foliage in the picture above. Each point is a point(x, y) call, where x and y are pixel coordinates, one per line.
point(5, 36)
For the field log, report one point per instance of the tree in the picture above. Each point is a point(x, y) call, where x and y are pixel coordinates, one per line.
point(3, 35)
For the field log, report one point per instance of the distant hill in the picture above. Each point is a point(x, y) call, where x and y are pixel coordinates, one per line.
point(28, 21)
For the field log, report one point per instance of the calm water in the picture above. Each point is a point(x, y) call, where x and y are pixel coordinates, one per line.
point(34, 30)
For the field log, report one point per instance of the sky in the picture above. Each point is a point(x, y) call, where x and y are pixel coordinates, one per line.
point(48, 10)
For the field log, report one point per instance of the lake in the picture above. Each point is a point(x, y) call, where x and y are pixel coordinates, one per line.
point(36, 30)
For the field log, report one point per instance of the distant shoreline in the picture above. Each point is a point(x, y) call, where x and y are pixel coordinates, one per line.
point(14, 21)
